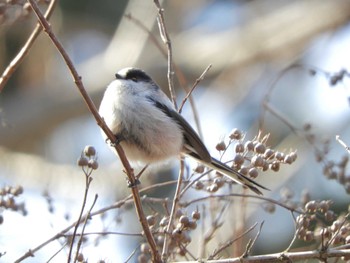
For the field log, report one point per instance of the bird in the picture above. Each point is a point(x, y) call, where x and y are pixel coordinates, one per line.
point(150, 130)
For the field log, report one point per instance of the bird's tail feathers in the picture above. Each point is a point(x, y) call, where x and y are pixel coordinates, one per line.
point(232, 174)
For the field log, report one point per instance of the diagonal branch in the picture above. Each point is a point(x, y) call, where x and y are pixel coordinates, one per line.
point(14, 64)
point(166, 39)
point(92, 108)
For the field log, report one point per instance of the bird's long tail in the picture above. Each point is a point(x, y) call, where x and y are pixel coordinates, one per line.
point(232, 174)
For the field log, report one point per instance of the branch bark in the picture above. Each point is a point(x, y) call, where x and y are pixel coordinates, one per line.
point(92, 108)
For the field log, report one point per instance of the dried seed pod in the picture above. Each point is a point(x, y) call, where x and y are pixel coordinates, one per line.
point(279, 156)
point(269, 207)
point(309, 236)
point(249, 146)
point(89, 151)
point(253, 172)
point(311, 206)
point(269, 154)
point(192, 224)
point(243, 170)
point(288, 159)
point(293, 155)
point(347, 240)
point(179, 213)
point(329, 215)
point(336, 225)
point(239, 147)
point(219, 181)
point(145, 248)
point(92, 163)
point(151, 220)
point(259, 148)
point(274, 166)
point(257, 161)
point(212, 188)
point(198, 185)
point(196, 215)
point(323, 206)
point(184, 220)
point(164, 221)
point(238, 160)
point(236, 134)
point(16, 191)
point(142, 258)
point(286, 193)
point(80, 257)
point(82, 161)
point(199, 169)
point(325, 233)
point(221, 146)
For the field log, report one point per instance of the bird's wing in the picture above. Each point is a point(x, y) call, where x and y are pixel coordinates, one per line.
point(194, 147)
point(192, 142)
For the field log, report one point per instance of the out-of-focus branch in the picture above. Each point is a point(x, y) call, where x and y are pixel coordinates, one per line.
point(283, 32)
point(166, 39)
point(286, 256)
point(14, 64)
point(104, 127)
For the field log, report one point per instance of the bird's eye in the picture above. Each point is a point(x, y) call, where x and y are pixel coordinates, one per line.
point(134, 79)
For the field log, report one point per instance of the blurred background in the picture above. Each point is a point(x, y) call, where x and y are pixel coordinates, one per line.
point(45, 124)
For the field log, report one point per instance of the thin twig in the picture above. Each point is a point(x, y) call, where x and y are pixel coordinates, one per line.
point(201, 77)
point(185, 204)
point(252, 242)
point(173, 210)
point(104, 127)
point(80, 242)
point(283, 257)
point(294, 237)
point(131, 255)
point(178, 72)
point(57, 252)
point(18, 59)
point(342, 143)
point(166, 39)
point(88, 180)
point(215, 225)
point(229, 243)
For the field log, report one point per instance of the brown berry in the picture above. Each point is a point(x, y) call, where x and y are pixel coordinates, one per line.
point(196, 215)
point(221, 146)
point(311, 206)
point(235, 134)
point(259, 148)
point(89, 150)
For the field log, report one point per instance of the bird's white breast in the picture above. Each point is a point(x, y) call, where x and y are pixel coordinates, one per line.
point(125, 105)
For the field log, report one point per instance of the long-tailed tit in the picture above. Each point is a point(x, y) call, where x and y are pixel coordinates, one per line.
point(149, 128)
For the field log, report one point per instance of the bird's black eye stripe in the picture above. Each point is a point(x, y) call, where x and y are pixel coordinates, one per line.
point(134, 75)
point(137, 75)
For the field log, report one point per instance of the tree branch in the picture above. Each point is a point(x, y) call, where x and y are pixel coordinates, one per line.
point(92, 108)
point(14, 64)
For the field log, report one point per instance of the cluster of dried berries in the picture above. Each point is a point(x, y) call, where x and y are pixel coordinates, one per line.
point(88, 159)
point(333, 77)
point(320, 223)
point(254, 155)
point(251, 157)
point(333, 170)
point(179, 237)
point(8, 195)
